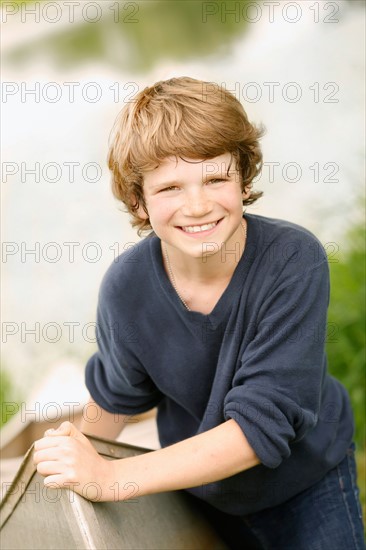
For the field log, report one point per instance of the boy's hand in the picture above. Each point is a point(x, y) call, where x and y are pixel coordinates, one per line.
point(66, 458)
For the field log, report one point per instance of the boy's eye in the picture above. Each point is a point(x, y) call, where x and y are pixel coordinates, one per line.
point(216, 180)
point(212, 181)
point(171, 188)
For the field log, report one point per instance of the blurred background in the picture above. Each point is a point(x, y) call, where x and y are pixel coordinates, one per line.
point(67, 70)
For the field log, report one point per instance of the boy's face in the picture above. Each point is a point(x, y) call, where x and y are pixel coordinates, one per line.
point(192, 203)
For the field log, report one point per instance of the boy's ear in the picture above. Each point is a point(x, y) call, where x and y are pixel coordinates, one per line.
point(140, 211)
point(246, 192)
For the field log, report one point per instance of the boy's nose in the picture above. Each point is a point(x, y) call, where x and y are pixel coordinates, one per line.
point(196, 204)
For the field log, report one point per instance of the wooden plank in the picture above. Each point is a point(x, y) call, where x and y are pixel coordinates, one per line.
point(34, 517)
point(82, 522)
point(37, 522)
point(164, 521)
point(17, 487)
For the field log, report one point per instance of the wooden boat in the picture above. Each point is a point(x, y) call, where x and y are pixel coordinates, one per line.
point(33, 517)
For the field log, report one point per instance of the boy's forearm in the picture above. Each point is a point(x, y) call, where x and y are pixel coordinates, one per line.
point(101, 423)
point(211, 456)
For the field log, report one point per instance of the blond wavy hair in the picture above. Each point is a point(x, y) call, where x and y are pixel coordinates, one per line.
point(185, 118)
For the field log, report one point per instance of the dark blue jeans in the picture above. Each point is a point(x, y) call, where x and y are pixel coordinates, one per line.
point(327, 516)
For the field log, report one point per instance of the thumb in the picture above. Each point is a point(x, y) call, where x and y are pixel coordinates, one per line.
point(66, 428)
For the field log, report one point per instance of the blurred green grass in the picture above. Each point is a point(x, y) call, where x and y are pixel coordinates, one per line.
point(147, 32)
point(346, 343)
point(361, 478)
point(7, 396)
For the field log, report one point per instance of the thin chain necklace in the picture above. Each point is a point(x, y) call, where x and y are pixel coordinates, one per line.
point(171, 274)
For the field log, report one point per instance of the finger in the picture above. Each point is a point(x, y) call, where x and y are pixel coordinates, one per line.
point(51, 432)
point(47, 442)
point(53, 467)
point(66, 428)
point(51, 453)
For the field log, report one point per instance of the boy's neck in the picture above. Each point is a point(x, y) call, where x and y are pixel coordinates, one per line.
point(208, 269)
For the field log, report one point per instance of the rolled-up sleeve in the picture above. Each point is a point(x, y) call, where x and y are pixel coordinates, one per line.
point(276, 391)
point(114, 376)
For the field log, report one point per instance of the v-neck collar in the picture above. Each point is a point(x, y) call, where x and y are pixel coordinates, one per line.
point(218, 313)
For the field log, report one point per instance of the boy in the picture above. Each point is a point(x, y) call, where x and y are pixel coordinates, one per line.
point(218, 319)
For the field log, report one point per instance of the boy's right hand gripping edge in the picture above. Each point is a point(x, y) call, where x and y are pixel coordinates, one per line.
point(66, 459)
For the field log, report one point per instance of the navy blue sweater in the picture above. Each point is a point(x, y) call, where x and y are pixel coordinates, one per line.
point(258, 358)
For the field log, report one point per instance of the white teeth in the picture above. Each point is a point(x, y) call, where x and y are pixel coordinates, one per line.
point(198, 228)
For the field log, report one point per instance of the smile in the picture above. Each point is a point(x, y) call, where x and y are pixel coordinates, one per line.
point(199, 228)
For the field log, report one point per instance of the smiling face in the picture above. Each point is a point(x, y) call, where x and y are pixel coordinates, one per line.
point(195, 207)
